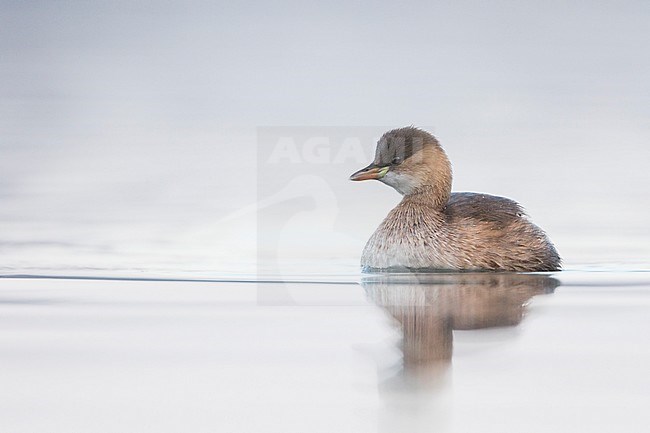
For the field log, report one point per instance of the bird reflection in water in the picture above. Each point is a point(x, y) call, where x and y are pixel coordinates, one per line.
point(429, 307)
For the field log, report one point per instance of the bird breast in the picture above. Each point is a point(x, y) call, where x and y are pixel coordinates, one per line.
point(409, 237)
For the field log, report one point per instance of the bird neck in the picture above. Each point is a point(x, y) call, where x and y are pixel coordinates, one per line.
point(434, 189)
point(434, 196)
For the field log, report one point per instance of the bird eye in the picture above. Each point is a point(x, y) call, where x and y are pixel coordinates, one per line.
point(397, 160)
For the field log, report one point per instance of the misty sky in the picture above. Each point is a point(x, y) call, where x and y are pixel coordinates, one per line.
point(449, 64)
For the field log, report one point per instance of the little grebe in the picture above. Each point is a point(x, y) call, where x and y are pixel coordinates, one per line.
point(433, 228)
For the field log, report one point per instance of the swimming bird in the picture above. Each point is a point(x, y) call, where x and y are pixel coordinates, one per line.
point(435, 229)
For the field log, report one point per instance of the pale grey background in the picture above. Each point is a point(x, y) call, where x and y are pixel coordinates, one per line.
point(128, 130)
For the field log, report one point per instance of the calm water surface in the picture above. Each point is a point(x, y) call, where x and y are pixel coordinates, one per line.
point(151, 297)
point(143, 293)
point(386, 353)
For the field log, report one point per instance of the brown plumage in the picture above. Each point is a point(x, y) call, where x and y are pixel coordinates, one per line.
point(432, 228)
